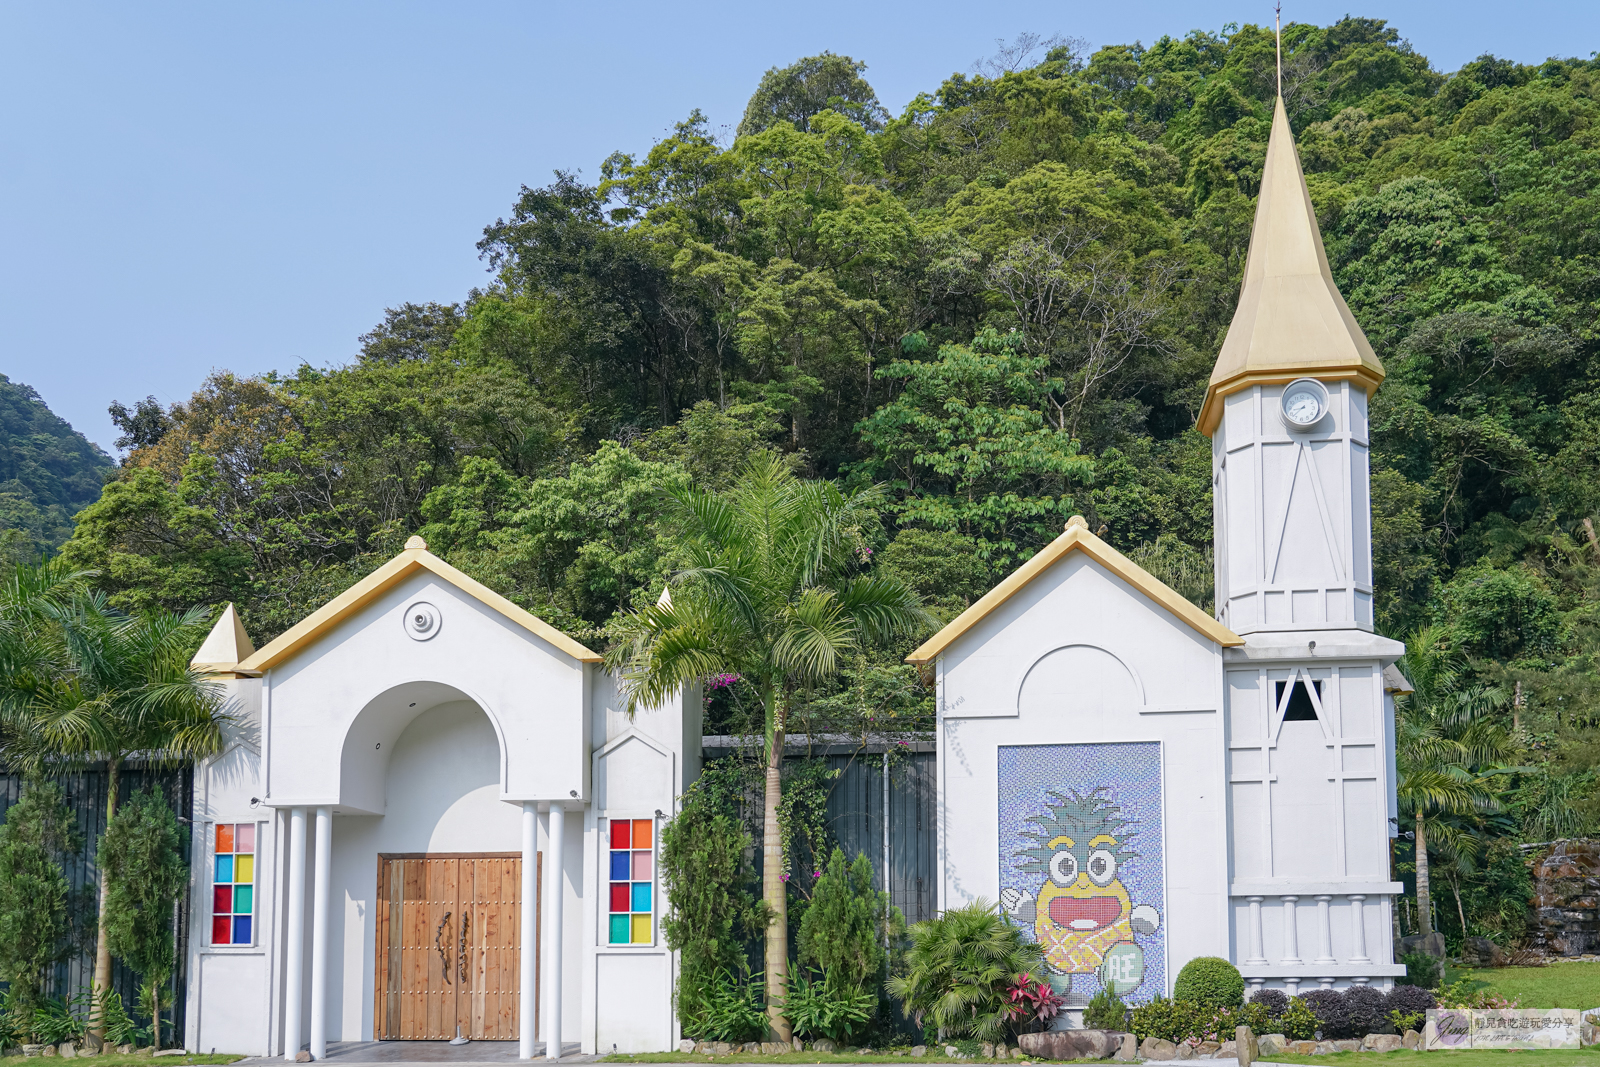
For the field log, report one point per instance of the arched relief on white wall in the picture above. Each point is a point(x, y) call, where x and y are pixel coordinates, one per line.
point(1082, 677)
point(1093, 678)
point(369, 739)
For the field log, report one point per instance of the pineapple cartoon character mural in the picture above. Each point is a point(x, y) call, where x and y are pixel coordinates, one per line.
point(1084, 862)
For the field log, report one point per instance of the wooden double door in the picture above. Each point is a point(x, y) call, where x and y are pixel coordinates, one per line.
point(449, 928)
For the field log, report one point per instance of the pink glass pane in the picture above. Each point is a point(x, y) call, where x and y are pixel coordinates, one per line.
point(244, 837)
point(619, 833)
point(642, 867)
point(224, 837)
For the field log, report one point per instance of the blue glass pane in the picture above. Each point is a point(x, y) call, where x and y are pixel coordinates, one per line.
point(241, 929)
point(641, 896)
point(224, 869)
point(619, 866)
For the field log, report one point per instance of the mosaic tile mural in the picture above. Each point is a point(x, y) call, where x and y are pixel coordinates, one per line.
point(1081, 863)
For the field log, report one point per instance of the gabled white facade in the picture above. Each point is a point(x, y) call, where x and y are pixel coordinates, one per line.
point(420, 716)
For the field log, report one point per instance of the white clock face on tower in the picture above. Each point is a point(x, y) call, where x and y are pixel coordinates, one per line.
point(1304, 403)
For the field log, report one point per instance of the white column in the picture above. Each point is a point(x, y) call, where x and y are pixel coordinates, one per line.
point(1257, 957)
point(1291, 932)
point(552, 931)
point(295, 935)
point(1324, 931)
point(319, 935)
point(526, 956)
point(1359, 920)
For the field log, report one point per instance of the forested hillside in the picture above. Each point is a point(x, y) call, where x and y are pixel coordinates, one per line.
point(1004, 303)
point(47, 472)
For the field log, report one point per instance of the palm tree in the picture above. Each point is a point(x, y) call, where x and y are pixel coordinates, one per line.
point(775, 592)
point(121, 686)
point(1447, 744)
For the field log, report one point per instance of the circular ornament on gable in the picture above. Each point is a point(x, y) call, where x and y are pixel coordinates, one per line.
point(1305, 401)
point(421, 621)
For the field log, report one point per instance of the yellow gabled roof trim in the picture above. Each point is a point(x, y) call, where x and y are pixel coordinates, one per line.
point(358, 596)
point(1077, 538)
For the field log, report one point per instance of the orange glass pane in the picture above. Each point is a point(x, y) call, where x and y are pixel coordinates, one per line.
point(224, 837)
point(642, 829)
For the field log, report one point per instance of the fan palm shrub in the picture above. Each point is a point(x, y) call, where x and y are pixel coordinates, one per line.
point(959, 969)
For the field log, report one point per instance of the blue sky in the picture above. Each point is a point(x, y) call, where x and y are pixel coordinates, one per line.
point(247, 186)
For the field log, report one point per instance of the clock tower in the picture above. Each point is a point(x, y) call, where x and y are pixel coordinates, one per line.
point(1309, 694)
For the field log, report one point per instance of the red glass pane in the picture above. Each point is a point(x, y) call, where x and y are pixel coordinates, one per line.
point(224, 837)
point(221, 928)
point(244, 837)
point(222, 899)
point(619, 833)
point(619, 896)
point(641, 833)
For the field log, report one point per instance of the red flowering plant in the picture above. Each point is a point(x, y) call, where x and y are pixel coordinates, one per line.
point(1034, 1004)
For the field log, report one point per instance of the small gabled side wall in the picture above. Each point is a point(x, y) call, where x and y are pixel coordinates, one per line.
point(1079, 657)
point(641, 766)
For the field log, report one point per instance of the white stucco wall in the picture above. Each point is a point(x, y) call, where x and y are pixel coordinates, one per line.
point(1079, 656)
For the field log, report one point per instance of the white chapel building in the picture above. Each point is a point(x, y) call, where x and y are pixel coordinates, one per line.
point(1138, 783)
point(432, 817)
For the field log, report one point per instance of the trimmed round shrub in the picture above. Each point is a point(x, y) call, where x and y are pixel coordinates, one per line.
point(1276, 1001)
point(1328, 1006)
point(1411, 998)
point(1210, 981)
point(1366, 1010)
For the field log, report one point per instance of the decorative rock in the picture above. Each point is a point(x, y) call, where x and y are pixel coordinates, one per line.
point(1383, 1042)
point(986, 1050)
point(683, 1046)
point(1303, 1048)
point(1324, 1048)
point(1155, 1048)
point(919, 1050)
point(1270, 1045)
point(1127, 1048)
point(721, 1048)
point(823, 1045)
point(953, 1052)
point(1348, 1045)
point(300, 1057)
point(124, 1050)
point(67, 1050)
point(799, 1046)
point(1185, 1051)
point(32, 1050)
point(1245, 1046)
point(49, 1052)
point(1412, 1039)
point(1071, 1044)
point(863, 1052)
point(1228, 1051)
point(1208, 1049)
point(1017, 1054)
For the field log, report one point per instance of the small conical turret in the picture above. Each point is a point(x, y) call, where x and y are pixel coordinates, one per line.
point(1291, 321)
point(225, 647)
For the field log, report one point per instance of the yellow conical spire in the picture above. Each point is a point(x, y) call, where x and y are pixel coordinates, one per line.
point(225, 647)
point(1291, 321)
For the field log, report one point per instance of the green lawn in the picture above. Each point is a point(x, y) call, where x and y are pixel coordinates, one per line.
point(122, 1061)
point(1587, 1057)
point(791, 1057)
point(1560, 985)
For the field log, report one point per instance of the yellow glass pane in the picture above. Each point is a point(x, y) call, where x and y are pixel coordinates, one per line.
point(641, 929)
point(244, 869)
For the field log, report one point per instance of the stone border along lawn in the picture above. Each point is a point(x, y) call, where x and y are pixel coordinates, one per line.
point(144, 1059)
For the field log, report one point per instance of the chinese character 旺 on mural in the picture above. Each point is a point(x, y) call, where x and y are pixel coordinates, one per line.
point(1081, 861)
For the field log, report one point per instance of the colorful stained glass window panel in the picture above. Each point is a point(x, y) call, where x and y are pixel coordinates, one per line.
point(641, 833)
point(642, 867)
point(619, 833)
point(619, 866)
point(233, 884)
point(619, 896)
point(619, 930)
point(641, 896)
point(641, 929)
point(632, 866)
